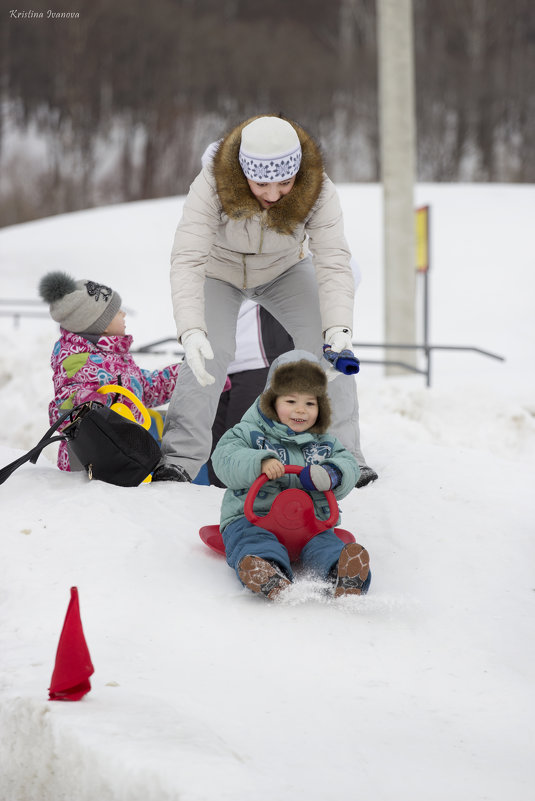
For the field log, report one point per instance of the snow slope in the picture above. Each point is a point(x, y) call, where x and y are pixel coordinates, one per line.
point(421, 690)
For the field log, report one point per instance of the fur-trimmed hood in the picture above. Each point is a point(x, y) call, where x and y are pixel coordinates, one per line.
point(239, 203)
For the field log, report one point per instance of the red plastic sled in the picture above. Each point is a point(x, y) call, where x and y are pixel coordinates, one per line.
point(291, 518)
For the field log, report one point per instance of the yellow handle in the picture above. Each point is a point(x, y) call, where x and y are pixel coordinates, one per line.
point(158, 421)
point(121, 408)
point(124, 411)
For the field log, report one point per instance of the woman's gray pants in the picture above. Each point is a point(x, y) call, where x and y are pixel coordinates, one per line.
point(292, 299)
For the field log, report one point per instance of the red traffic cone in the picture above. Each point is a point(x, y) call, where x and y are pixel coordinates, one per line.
point(70, 679)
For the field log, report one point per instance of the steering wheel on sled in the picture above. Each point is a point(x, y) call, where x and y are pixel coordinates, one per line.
point(291, 518)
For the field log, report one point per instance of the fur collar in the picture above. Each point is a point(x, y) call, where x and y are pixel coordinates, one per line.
point(236, 197)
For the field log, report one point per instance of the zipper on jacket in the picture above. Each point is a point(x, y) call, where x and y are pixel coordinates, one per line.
point(261, 245)
point(262, 226)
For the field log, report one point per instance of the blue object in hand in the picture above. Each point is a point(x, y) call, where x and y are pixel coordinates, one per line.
point(345, 362)
point(320, 477)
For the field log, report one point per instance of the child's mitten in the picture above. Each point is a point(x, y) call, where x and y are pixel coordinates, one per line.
point(345, 362)
point(320, 477)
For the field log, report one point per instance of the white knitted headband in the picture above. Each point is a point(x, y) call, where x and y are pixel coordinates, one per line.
point(270, 150)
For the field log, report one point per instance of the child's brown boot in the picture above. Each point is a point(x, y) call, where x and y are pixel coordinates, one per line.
point(262, 576)
point(353, 570)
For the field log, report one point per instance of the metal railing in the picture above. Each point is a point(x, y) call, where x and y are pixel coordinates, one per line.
point(427, 349)
point(22, 308)
point(17, 309)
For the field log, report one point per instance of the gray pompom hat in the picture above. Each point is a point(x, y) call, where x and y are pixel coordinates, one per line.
point(83, 307)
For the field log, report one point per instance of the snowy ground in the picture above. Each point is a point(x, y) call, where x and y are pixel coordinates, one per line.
point(421, 690)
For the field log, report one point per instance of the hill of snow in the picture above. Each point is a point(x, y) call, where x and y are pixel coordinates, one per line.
point(421, 690)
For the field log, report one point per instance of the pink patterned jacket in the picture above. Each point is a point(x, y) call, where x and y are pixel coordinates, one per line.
point(81, 367)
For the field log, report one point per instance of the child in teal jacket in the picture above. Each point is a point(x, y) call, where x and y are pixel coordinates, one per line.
point(288, 424)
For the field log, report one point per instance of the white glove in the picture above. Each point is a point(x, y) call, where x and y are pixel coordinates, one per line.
point(339, 338)
point(197, 349)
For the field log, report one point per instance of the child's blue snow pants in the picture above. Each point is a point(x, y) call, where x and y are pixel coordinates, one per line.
point(242, 538)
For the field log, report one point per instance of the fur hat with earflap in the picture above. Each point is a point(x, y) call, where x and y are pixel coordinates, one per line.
point(298, 376)
point(83, 307)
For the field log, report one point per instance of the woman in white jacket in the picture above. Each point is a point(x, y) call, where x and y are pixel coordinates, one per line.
point(245, 231)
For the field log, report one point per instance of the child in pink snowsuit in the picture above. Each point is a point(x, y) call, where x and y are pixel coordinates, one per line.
point(94, 350)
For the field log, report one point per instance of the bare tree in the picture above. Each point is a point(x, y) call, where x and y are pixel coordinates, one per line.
point(120, 102)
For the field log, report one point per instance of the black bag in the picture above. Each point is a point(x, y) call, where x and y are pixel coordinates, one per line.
point(108, 446)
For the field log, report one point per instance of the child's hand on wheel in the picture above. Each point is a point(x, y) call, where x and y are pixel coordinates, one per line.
point(272, 468)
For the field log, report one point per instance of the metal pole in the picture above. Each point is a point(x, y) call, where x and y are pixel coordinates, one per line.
point(426, 328)
point(427, 312)
point(397, 130)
